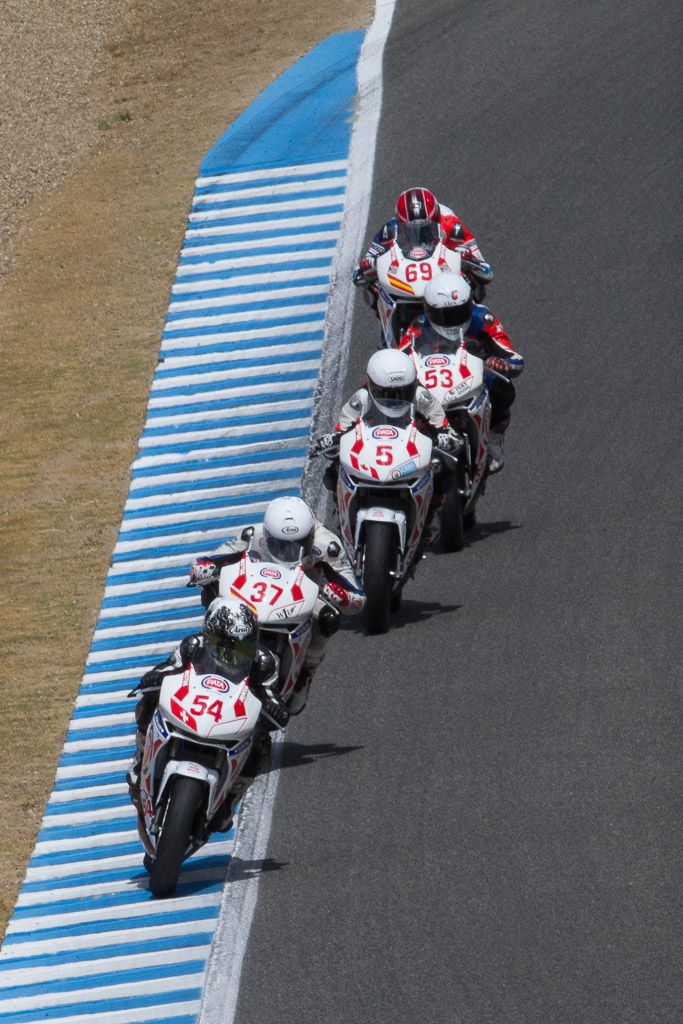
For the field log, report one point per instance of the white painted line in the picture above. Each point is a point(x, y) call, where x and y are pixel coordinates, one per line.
point(128, 990)
point(98, 842)
point(274, 228)
point(267, 242)
point(258, 210)
point(66, 796)
point(131, 1015)
point(249, 315)
point(91, 940)
point(146, 459)
point(106, 965)
point(170, 498)
point(102, 865)
point(228, 432)
point(235, 338)
point(61, 820)
point(258, 174)
point(265, 260)
point(130, 911)
point(268, 277)
point(305, 184)
point(182, 601)
point(224, 472)
point(83, 771)
point(241, 299)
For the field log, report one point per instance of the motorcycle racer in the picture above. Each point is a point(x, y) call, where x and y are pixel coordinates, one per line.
point(391, 374)
point(449, 309)
point(291, 534)
point(229, 645)
point(419, 220)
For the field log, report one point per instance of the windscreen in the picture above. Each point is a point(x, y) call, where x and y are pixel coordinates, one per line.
point(395, 411)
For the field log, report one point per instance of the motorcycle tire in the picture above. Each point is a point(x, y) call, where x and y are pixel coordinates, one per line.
point(452, 525)
point(380, 556)
point(184, 801)
point(469, 521)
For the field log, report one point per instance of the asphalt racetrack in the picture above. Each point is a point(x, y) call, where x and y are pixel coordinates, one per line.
point(478, 815)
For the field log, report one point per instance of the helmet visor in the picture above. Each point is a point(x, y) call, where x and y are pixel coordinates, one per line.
point(285, 550)
point(236, 658)
point(405, 393)
point(420, 233)
point(451, 316)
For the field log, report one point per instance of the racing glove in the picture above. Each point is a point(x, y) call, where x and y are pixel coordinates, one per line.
point(497, 364)
point(336, 595)
point(326, 441)
point(364, 273)
point(202, 571)
point(448, 441)
point(274, 711)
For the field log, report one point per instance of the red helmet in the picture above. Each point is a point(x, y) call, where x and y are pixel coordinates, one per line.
point(418, 215)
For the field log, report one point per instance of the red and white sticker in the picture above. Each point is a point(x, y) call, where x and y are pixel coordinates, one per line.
point(437, 361)
point(274, 574)
point(385, 432)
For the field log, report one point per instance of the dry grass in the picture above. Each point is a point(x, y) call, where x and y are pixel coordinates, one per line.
point(82, 309)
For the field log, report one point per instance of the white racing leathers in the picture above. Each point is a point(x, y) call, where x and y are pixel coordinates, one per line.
point(426, 406)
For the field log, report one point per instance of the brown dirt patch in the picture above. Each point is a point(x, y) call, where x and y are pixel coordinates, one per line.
point(108, 109)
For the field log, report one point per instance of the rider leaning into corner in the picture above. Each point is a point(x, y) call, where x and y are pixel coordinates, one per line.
point(228, 644)
point(449, 308)
point(290, 534)
point(391, 375)
point(419, 220)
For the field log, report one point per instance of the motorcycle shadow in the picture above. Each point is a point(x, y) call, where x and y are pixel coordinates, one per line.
point(481, 531)
point(294, 755)
point(408, 614)
point(240, 870)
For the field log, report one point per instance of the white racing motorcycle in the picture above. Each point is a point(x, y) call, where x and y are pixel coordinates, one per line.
point(384, 489)
point(457, 380)
point(402, 275)
point(197, 743)
point(284, 600)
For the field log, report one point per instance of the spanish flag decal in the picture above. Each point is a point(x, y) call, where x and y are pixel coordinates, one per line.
point(401, 285)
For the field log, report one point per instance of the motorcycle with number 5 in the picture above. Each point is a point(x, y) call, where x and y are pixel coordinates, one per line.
point(384, 489)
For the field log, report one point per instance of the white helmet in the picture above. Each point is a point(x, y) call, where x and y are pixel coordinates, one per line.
point(288, 530)
point(448, 304)
point(391, 374)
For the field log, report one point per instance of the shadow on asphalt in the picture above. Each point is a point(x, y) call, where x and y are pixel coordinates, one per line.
point(294, 755)
point(242, 870)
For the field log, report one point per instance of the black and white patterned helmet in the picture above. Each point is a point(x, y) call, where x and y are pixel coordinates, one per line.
point(231, 632)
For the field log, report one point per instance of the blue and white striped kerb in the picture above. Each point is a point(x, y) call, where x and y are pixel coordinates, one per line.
point(226, 432)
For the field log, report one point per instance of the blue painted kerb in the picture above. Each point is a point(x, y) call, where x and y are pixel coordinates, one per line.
point(305, 115)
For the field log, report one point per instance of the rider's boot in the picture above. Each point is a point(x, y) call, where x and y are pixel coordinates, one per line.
point(133, 774)
point(432, 527)
point(302, 686)
point(495, 452)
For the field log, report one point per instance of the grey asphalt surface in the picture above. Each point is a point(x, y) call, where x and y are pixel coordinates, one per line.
point(479, 815)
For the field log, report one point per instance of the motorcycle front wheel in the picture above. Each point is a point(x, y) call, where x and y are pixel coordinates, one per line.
point(379, 560)
point(184, 801)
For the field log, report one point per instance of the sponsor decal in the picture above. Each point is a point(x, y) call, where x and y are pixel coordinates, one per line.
point(408, 467)
point(161, 728)
point(303, 628)
point(437, 361)
point(418, 253)
point(215, 683)
point(239, 630)
point(460, 389)
point(385, 432)
point(192, 767)
point(273, 574)
point(356, 603)
point(290, 529)
point(316, 551)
